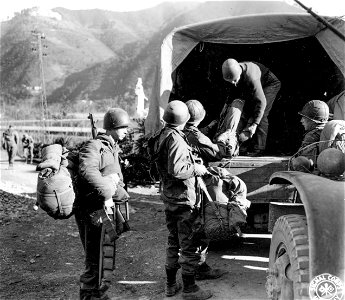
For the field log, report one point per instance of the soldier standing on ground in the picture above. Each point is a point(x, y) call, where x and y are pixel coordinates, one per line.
point(10, 140)
point(94, 192)
point(28, 147)
point(178, 172)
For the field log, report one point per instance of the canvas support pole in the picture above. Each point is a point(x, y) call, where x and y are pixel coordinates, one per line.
point(322, 20)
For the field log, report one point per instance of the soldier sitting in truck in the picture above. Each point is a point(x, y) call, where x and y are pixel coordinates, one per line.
point(315, 115)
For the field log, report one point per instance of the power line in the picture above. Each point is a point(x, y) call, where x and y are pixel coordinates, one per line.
point(44, 107)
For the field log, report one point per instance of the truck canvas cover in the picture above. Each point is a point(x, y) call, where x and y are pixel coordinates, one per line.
point(303, 53)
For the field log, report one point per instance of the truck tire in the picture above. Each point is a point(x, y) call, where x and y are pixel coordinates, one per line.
point(288, 277)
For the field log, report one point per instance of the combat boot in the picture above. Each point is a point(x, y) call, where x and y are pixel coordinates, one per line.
point(171, 286)
point(204, 271)
point(193, 292)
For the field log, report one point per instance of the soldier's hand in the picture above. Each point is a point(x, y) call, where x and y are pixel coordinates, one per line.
point(200, 170)
point(212, 124)
point(247, 133)
point(115, 178)
point(244, 136)
point(108, 204)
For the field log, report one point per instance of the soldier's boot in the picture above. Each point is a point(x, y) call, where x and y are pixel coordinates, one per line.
point(171, 286)
point(191, 291)
point(204, 271)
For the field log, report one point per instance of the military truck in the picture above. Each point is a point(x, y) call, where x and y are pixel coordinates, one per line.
point(304, 212)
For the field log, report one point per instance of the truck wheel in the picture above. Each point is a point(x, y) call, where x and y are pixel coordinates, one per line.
point(288, 277)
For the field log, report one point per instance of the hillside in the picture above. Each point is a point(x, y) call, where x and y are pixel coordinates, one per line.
point(97, 54)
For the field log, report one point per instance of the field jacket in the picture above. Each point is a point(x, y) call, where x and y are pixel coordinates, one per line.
point(203, 146)
point(93, 187)
point(310, 147)
point(255, 77)
point(176, 167)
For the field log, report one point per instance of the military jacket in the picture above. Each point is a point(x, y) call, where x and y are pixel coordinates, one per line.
point(310, 147)
point(93, 187)
point(203, 146)
point(176, 167)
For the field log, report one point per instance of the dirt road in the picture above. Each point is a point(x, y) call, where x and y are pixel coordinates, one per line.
point(42, 258)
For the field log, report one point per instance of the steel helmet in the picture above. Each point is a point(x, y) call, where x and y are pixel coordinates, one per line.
point(176, 113)
point(302, 164)
point(231, 69)
point(316, 110)
point(331, 162)
point(196, 111)
point(115, 118)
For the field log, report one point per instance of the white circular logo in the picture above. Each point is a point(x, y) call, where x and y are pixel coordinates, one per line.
point(326, 287)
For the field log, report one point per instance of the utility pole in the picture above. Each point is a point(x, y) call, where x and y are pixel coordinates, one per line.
point(44, 107)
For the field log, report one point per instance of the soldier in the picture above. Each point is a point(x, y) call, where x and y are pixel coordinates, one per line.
point(10, 143)
point(206, 149)
point(93, 192)
point(314, 118)
point(178, 173)
point(255, 88)
point(28, 147)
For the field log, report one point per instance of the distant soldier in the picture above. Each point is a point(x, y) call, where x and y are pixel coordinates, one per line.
point(10, 139)
point(28, 147)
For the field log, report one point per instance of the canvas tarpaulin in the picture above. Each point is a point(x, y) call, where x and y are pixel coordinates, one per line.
point(251, 29)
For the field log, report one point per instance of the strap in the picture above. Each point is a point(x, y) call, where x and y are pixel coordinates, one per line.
point(217, 213)
point(58, 201)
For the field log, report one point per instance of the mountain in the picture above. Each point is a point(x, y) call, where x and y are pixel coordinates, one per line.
point(97, 54)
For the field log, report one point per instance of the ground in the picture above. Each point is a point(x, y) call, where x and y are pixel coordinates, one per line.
point(41, 258)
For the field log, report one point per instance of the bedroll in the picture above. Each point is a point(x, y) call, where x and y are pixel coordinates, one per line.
point(55, 193)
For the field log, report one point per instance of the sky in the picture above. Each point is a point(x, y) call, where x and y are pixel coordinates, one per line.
point(7, 8)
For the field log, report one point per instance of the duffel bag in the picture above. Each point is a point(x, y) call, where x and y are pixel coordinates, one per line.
point(222, 221)
point(55, 194)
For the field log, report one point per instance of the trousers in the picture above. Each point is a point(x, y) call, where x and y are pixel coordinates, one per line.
point(183, 251)
point(90, 236)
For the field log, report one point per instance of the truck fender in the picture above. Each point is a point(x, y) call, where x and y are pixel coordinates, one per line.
point(323, 200)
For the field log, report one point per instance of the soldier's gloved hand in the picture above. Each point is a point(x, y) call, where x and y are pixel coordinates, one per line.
point(200, 170)
point(212, 124)
point(108, 204)
point(115, 179)
point(247, 133)
point(205, 130)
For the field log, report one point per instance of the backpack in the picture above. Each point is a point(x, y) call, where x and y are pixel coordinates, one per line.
point(56, 182)
point(225, 211)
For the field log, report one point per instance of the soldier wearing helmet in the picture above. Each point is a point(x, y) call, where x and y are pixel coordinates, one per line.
point(94, 192)
point(178, 171)
point(204, 146)
point(315, 115)
point(28, 147)
point(257, 87)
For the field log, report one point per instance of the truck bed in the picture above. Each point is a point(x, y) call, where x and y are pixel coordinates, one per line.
point(255, 172)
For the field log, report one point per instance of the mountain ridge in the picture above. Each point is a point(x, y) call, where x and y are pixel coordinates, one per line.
point(97, 54)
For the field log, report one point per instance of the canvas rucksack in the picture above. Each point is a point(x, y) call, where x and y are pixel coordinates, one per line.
point(56, 181)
